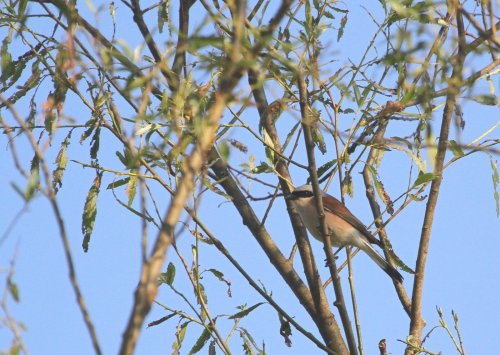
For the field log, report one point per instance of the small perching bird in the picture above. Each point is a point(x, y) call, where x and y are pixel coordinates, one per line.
point(343, 227)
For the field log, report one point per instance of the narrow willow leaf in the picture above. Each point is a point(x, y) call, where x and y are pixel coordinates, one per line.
point(131, 189)
point(214, 188)
point(13, 289)
point(219, 275)
point(94, 143)
point(246, 334)
point(211, 348)
point(179, 335)
point(90, 211)
point(347, 185)
point(318, 139)
point(200, 343)
point(496, 181)
point(112, 12)
point(22, 8)
point(357, 94)
point(6, 59)
point(290, 135)
point(343, 22)
point(147, 129)
point(430, 141)
point(163, 14)
point(423, 178)
point(202, 293)
point(118, 183)
point(490, 100)
point(50, 118)
point(262, 168)
point(247, 347)
point(456, 149)
point(60, 80)
point(18, 190)
point(29, 84)
point(285, 330)
point(245, 312)
point(33, 180)
point(269, 147)
point(169, 276)
point(61, 162)
point(325, 167)
point(91, 124)
point(224, 151)
point(161, 320)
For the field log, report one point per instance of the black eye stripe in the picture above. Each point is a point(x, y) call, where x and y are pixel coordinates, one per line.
point(303, 193)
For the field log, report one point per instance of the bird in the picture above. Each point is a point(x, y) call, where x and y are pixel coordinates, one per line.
point(343, 227)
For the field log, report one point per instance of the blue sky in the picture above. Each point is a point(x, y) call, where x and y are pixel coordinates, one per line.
point(462, 273)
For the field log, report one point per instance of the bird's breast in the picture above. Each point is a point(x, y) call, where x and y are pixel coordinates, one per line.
point(341, 232)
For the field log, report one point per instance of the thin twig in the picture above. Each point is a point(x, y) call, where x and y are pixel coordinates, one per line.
point(50, 193)
point(327, 246)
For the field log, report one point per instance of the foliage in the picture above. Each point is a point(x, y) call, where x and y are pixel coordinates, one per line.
point(207, 106)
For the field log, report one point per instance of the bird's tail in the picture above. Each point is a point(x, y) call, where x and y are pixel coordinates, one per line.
point(380, 261)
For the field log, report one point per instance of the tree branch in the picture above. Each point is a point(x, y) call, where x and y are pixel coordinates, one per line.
point(417, 323)
point(327, 246)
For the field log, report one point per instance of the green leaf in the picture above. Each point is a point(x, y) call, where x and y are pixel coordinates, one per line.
point(112, 12)
point(50, 120)
point(13, 289)
point(262, 168)
point(247, 346)
point(169, 276)
point(219, 275)
point(456, 149)
point(18, 190)
point(62, 162)
point(268, 147)
point(131, 189)
point(343, 22)
point(224, 150)
point(424, 178)
point(347, 185)
point(290, 134)
point(162, 14)
point(490, 100)
point(249, 341)
point(5, 58)
point(90, 211)
point(22, 8)
point(318, 139)
point(211, 348)
point(200, 343)
point(33, 180)
point(179, 335)
point(309, 22)
point(245, 312)
point(285, 329)
point(118, 183)
point(149, 128)
point(94, 143)
point(496, 180)
point(325, 167)
point(337, 9)
point(29, 84)
point(357, 94)
point(92, 124)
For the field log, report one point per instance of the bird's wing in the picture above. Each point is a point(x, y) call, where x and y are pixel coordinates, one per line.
point(340, 210)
